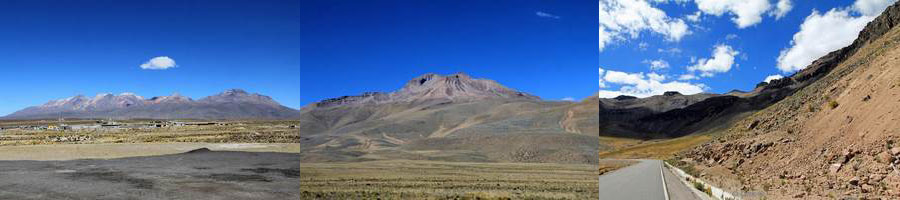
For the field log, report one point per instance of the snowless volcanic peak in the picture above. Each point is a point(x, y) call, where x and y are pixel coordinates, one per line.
point(431, 86)
point(238, 95)
point(174, 98)
point(456, 86)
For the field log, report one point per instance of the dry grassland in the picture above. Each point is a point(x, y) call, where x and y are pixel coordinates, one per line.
point(235, 132)
point(406, 179)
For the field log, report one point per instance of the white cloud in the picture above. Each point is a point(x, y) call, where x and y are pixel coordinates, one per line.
point(568, 99)
point(731, 36)
point(623, 78)
point(667, 1)
point(546, 15)
point(818, 36)
point(643, 46)
point(871, 7)
point(772, 77)
point(656, 77)
point(746, 12)
point(161, 62)
point(640, 85)
point(721, 61)
point(602, 85)
point(781, 9)
point(657, 64)
point(621, 18)
point(693, 17)
point(687, 77)
point(672, 50)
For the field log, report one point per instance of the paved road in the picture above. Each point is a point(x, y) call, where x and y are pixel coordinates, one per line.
point(640, 181)
point(677, 189)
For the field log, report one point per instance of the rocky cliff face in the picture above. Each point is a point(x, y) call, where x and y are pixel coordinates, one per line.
point(834, 134)
point(230, 104)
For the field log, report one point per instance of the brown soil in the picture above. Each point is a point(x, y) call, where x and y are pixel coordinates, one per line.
point(831, 139)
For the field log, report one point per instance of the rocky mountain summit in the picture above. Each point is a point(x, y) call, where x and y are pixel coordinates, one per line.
point(831, 133)
point(456, 87)
point(230, 104)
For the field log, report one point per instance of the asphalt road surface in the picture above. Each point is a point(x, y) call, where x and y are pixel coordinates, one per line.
point(642, 181)
point(199, 174)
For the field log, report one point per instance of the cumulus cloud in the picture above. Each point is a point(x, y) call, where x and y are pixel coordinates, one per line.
point(781, 8)
point(628, 18)
point(643, 46)
point(772, 77)
point(871, 7)
point(546, 15)
point(693, 17)
point(657, 64)
point(687, 77)
point(675, 1)
point(568, 99)
point(602, 85)
point(161, 62)
point(672, 51)
point(731, 36)
point(746, 12)
point(721, 61)
point(818, 36)
point(641, 85)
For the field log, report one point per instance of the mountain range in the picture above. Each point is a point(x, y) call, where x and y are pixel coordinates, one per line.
point(230, 104)
point(452, 118)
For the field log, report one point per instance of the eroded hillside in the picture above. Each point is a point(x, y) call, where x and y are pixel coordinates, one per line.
point(834, 137)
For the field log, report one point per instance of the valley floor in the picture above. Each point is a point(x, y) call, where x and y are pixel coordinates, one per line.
point(408, 179)
point(122, 150)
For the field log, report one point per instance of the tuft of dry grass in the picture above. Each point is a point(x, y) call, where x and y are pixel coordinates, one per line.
point(833, 104)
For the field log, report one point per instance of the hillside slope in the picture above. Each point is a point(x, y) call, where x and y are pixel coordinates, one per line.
point(449, 118)
point(834, 137)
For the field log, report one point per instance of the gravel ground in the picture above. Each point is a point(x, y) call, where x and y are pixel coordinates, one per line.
point(198, 174)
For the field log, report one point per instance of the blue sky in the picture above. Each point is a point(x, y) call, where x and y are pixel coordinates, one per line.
point(56, 49)
point(546, 48)
point(648, 47)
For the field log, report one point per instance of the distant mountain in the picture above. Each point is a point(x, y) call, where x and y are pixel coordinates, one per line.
point(230, 104)
point(458, 87)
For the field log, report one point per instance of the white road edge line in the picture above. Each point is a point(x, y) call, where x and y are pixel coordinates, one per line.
point(663, 175)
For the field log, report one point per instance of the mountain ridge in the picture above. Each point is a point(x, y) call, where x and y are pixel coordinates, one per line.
point(229, 104)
